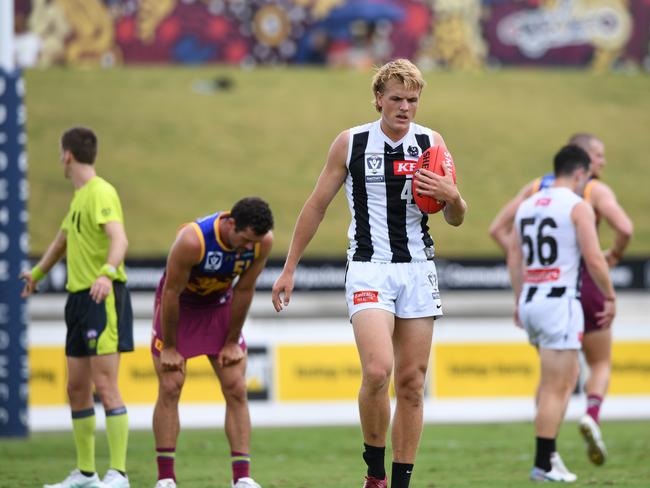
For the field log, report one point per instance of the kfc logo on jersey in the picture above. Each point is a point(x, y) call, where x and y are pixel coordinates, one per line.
point(404, 168)
point(413, 151)
point(365, 296)
point(374, 164)
point(213, 261)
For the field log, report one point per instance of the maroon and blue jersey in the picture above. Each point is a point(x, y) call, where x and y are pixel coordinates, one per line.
point(212, 279)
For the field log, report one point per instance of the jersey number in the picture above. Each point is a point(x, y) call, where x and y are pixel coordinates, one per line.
point(546, 244)
point(76, 221)
point(407, 191)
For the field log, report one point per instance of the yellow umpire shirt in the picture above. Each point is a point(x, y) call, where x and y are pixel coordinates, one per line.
point(94, 204)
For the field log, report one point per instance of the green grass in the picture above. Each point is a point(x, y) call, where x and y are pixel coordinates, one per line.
point(175, 154)
point(485, 455)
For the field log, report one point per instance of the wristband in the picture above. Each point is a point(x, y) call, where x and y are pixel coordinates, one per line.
point(109, 271)
point(610, 299)
point(37, 273)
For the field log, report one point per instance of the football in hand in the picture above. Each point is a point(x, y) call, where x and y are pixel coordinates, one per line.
point(432, 159)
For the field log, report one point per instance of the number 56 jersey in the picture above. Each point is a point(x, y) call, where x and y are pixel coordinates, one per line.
point(549, 241)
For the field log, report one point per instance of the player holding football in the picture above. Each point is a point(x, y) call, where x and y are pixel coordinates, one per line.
point(198, 312)
point(553, 229)
point(597, 341)
point(391, 286)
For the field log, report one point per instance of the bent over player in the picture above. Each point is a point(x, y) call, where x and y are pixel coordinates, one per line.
point(200, 310)
point(391, 287)
point(98, 312)
point(552, 229)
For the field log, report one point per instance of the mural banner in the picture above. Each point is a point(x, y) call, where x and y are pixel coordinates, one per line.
point(449, 34)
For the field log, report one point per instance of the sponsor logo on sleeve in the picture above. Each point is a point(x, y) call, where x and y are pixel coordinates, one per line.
point(365, 296)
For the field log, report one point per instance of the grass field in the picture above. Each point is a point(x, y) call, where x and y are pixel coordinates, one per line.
point(482, 455)
point(175, 154)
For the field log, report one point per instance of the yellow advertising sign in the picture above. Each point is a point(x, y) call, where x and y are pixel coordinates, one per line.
point(310, 372)
point(484, 370)
point(138, 383)
point(630, 368)
point(47, 376)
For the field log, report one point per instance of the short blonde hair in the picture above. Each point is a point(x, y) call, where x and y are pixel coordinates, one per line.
point(583, 139)
point(400, 69)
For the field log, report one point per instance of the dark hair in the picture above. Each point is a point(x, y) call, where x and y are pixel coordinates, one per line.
point(252, 212)
point(569, 159)
point(82, 143)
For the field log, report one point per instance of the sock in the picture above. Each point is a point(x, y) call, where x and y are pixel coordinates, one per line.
point(165, 460)
point(374, 458)
point(83, 429)
point(241, 465)
point(117, 431)
point(401, 475)
point(593, 406)
point(545, 447)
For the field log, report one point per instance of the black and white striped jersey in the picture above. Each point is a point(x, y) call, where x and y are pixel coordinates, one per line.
point(387, 225)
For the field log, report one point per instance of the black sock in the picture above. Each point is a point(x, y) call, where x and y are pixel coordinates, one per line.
point(374, 458)
point(543, 453)
point(401, 476)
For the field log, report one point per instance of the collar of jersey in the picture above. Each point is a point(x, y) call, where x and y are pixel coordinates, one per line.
point(393, 145)
point(217, 234)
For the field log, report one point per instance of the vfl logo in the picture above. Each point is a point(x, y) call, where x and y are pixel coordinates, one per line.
point(374, 164)
point(213, 261)
point(433, 279)
point(413, 151)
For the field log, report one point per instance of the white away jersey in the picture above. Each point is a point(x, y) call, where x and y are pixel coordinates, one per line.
point(387, 225)
point(548, 239)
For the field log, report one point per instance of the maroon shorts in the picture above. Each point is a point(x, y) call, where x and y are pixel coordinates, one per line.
point(592, 300)
point(202, 328)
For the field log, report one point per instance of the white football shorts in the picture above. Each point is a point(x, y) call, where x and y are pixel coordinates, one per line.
point(553, 322)
point(407, 290)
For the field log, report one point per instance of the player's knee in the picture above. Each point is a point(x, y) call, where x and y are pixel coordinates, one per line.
point(108, 391)
point(410, 387)
point(170, 387)
point(376, 376)
point(235, 390)
point(77, 391)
